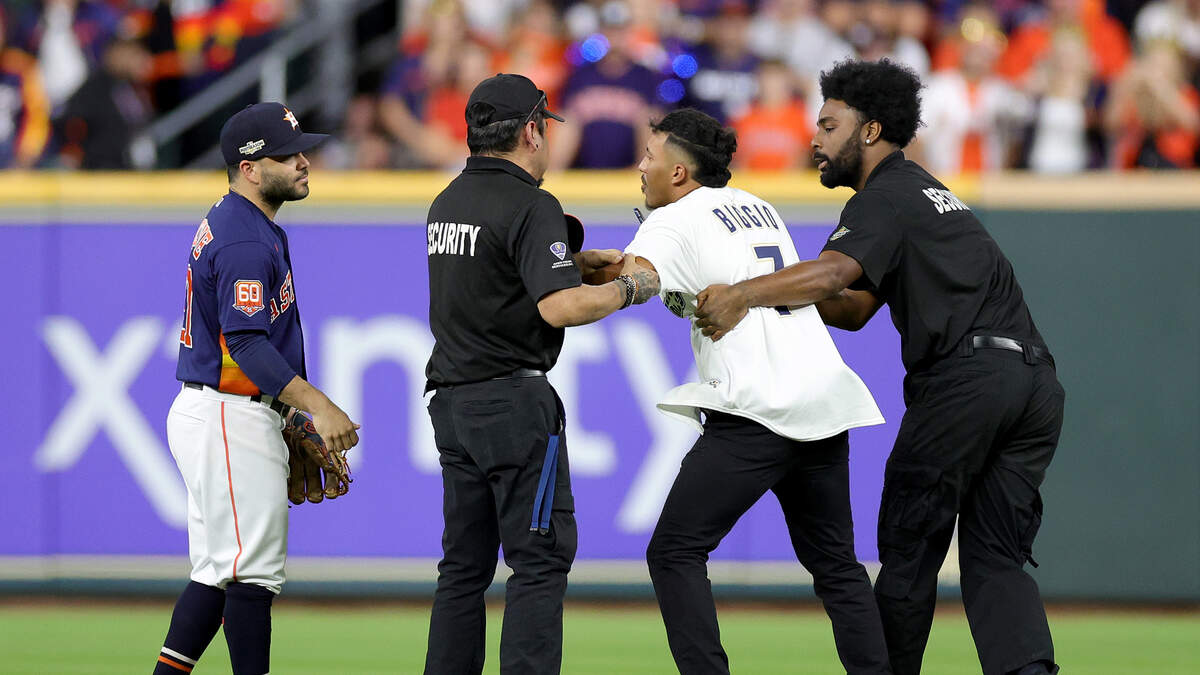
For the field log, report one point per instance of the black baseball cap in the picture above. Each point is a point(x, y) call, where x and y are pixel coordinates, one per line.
point(264, 130)
point(511, 97)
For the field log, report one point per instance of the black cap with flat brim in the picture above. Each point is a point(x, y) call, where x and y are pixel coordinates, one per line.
point(264, 130)
point(511, 97)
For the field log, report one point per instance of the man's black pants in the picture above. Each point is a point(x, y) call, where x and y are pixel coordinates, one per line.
point(506, 483)
point(975, 442)
point(730, 467)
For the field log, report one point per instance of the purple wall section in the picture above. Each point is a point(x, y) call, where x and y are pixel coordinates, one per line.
point(91, 318)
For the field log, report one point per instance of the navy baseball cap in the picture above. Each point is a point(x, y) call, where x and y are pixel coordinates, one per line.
point(511, 97)
point(264, 130)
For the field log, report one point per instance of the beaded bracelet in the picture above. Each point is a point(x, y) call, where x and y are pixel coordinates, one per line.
point(631, 286)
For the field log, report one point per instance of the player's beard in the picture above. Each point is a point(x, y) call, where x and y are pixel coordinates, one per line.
point(845, 169)
point(278, 189)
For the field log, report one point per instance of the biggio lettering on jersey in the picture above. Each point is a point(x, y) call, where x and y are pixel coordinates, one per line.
point(745, 216)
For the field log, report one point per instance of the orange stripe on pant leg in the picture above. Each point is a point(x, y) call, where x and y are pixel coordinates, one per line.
point(229, 473)
point(173, 664)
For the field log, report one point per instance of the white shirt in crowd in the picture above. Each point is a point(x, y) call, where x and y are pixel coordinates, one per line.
point(778, 367)
point(950, 113)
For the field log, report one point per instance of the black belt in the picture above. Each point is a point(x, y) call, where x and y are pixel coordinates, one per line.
point(266, 399)
point(521, 372)
point(1030, 351)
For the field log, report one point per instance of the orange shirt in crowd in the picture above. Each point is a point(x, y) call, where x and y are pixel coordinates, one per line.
point(1177, 145)
point(444, 110)
point(775, 138)
point(973, 145)
point(539, 57)
point(1106, 39)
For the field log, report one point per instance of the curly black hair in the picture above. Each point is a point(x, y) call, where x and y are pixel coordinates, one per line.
point(710, 145)
point(883, 90)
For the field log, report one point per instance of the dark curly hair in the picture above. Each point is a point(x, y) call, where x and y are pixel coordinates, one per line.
point(710, 145)
point(883, 90)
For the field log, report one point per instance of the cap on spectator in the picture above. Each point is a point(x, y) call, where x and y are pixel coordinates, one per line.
point(511, 97)
point(264, 130)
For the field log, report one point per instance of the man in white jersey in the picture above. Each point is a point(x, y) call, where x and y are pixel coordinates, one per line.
point(774, 403)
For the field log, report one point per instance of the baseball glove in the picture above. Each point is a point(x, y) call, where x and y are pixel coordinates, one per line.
point(314, 472)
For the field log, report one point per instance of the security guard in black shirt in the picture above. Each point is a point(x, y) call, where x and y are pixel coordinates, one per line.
point(504, 280)
point(984, 406)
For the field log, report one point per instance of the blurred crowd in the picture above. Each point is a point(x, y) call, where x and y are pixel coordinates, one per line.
point(1053, 86)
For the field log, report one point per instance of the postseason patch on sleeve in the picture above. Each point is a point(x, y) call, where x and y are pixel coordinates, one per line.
point(248, 296)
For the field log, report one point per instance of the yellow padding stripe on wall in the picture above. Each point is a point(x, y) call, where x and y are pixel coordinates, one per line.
point(1094, 191)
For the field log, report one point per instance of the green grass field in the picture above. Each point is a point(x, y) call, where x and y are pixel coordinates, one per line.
point(100, 638)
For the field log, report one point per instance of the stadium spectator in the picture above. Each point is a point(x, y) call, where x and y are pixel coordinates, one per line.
point(970, 113)
point(68, 37)
point(100, 122)
point(1106, 41)
point(792, 31)
point(655, 27)
point(361, 144)
point(214, 36)
point(775, 131)
point(24, 109)
point(1153, 113)
point(1012, 13)
point(914, 20)
point(725, 79)
point(535, 48)
point(487, 19)
point(876, 35)
point(607, 100)
point(1176, 21)
point(1065, 91)
point(428, 63)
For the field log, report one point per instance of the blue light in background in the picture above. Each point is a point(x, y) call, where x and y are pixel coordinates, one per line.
point(685, 65)
point(671, 90)
point(594, 47)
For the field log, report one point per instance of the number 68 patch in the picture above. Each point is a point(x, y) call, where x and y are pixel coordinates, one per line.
point(248, 296)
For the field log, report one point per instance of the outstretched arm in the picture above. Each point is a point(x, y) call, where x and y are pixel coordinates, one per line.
point(584, 304)
point(720, 307)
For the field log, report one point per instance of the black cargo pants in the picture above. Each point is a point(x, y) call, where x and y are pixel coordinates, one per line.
point(979, 431)
point(506, 483)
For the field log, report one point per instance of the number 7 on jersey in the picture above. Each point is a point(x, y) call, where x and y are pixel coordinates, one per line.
point(773, 253)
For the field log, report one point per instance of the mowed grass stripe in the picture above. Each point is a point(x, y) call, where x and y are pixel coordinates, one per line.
point(311, 639)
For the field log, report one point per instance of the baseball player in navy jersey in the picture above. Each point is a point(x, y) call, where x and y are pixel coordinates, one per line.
point(241, 365)
point(774, 403)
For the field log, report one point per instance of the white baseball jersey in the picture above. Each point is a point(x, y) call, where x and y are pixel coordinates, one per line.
point(778, 367)
point(234, 462)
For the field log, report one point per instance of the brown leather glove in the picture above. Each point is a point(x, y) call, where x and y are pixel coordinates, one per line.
point(314, 472)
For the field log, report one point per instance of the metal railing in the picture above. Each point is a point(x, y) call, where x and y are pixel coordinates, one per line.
point(329, 28)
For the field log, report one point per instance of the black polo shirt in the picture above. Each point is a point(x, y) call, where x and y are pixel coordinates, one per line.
point(926, 255)
point(497, 244)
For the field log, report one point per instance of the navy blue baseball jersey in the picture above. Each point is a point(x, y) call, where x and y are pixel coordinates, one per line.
point(239, 278)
